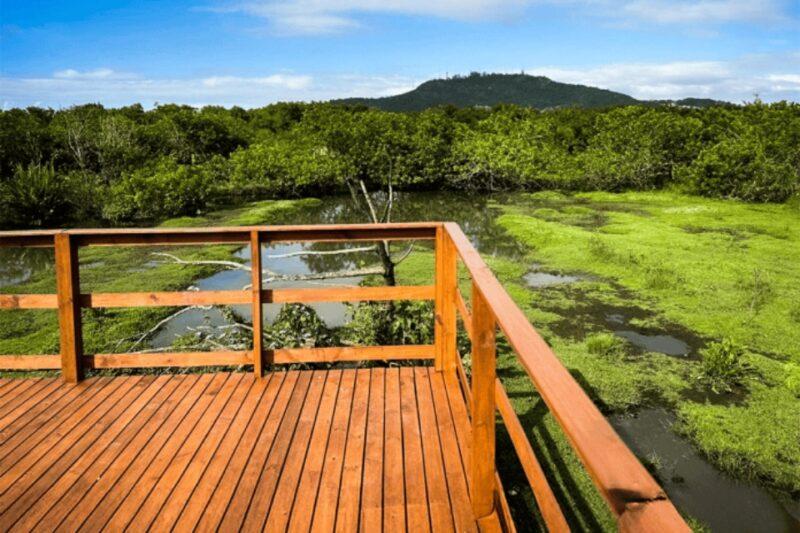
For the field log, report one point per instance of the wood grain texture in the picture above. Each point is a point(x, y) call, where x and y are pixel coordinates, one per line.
point(545, 499)
point(297, 450)
point(483, 406)
point(28, 301)
point(445, 312)
point(110, 300)
point(463, 310)
point(257, 303)
point(30, 362)
point(69, 310)
point(614, 469)
point(353, 353)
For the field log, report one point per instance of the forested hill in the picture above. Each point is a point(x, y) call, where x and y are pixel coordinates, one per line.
point(491, 89)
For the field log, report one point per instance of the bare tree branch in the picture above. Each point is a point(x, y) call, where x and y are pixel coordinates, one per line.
point(387, 212)
point(369, 202)
point(322, 252)
point(232, 265)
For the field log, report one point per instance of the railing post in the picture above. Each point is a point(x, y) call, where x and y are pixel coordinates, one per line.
point(445, 312)
point(257, 305)
point(69, 309)
point(483, 406)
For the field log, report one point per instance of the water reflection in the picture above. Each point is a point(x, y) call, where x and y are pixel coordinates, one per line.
point(696, 486)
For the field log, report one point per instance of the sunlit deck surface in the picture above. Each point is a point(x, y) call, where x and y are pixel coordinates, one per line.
point(353, 449)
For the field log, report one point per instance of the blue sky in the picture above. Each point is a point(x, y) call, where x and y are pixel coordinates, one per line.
point(254, 52)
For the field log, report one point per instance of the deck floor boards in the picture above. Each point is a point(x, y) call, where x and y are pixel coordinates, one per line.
point(342, 449)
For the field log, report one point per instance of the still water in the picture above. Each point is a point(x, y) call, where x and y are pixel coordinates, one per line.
point(696, 486)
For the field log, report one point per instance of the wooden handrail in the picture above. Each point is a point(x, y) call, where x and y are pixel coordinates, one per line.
point(620, 477)
point(632, 494)
point(105, 300)
point(69, 301)
point(224, 235)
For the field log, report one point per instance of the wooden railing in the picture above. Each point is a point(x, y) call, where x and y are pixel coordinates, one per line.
point(69, 300)
point(632, 494)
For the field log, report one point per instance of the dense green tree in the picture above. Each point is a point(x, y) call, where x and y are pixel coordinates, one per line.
point(115, 166)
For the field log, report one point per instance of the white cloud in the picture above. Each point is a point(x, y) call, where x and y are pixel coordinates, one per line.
point(736, 81)
point(772, 77)
point(287, 81)
point(334, 16)
point(68, 87)
point(96, 74)
point(704, 11)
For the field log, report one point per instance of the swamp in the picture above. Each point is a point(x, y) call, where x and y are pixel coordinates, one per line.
point(679, 315)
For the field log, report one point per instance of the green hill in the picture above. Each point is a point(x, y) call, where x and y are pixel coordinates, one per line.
point(492, 89)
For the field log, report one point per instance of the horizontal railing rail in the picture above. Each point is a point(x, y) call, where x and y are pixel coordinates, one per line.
point(69, 300)
point(632, 494)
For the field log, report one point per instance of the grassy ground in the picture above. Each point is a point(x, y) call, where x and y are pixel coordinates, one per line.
point(127, 269)
point(701, 269)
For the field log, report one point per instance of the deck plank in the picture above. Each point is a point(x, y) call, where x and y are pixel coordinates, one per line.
point(366, 449)
point(39, 431)
point(455, 468)
point(105, 496)
point(119, 506)
point(14, 401)
point(11, 415)
point(229, 425)
point(195, 450)
point(288, 451)
point(417, 512)
point(348, 512)
point(38, 420)
point(18, 390)
point(35, 461)
point(90, 467)
point(237, 444)
point(308, 485)
point(438, 495)
point(253, 443)
point(328, 496)
point(248, 484)
point(372, 483)
point(394, 488)
point(80, 454)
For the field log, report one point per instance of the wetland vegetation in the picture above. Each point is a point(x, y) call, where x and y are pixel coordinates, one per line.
point(672, 311)
point(656, 249)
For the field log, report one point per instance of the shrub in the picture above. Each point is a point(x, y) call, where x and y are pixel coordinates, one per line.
point(403, 322)
point(163, 190)
point(605, 344)
point(282, 167)
point(741, 168)
point(722, 366)
point(298, 325)
point(35, 196)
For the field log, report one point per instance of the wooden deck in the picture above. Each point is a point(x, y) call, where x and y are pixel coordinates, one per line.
point(366, 449)
point(341, 449)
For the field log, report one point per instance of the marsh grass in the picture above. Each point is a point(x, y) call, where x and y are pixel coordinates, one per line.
point(722, 366)
point(605, 345)
point(737, 267)
point(792, 380)
point(758, 290)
